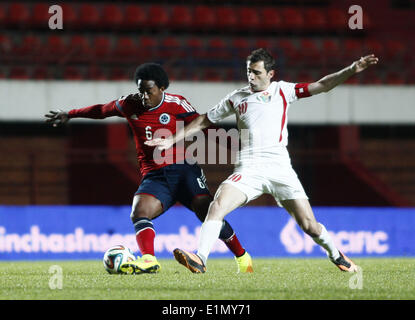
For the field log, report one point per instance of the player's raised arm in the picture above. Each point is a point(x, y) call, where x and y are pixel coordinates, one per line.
point(332, 80)
point(57, 117)
point(198, 124)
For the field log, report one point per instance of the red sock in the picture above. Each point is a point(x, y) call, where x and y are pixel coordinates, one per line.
point(234, 245)
point(145, 241)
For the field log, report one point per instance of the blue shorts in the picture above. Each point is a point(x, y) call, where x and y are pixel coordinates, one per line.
point(175, 183)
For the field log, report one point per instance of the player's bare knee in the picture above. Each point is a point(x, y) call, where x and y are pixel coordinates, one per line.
point(216, 210)
point(310, 227)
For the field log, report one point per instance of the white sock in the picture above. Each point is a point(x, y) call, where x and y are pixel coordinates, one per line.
point(327, 243)
point(209, 233)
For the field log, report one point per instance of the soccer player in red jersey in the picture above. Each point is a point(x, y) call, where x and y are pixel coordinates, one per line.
point(164, 182)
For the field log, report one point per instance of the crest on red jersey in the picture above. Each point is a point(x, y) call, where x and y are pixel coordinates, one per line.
point(164, 118)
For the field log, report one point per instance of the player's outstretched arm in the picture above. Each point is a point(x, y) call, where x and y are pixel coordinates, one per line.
point(198, 124)
point(57, 117)
point(332, 80)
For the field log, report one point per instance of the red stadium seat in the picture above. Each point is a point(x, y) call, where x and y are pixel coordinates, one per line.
point(395, 78)
point(337, 19)
point(315, 19)
point(72, 73)
point(171, 48)
point(95, 73)
point(125, 47)
point(195, 47)
point(89, 16)
point(374, 46)
point(352, 49)
point(218, 48)
point(395, 49)
point(55, 45)
point(212, 75)
point(79, 46)
point(241, 47)
point(293, 19)
point(19, 73)
point(271, 19)
point(29, 45)
point(180, 17)
point(289, 51)
point(41, 73)
point(204, 18)
point(331, 53)
point(248, 18)
point(147, 48)
point(40, 15)
point(265, 43)
point(135, 16)
point(111, 16)
point(226, 18)
point(101, 46)
point(6, 45)
point(310, 53)
point(158, 16)
point(119, 74)
point(304, 76)
point(70, 15)
point(18, 14)
point(2, 15)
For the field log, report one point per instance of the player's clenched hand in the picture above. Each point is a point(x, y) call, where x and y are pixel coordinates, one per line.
point(57, 117)
point(161, 144)
point(364, 62)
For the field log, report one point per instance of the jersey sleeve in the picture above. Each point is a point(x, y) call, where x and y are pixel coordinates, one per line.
point(222, 110)
point(294, 91)
point(97, 111)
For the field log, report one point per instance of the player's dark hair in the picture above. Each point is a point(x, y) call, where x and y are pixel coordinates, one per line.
point(262, 55)
point(152, 71)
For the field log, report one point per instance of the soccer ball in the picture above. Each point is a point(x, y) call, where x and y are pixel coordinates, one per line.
point(115, 256)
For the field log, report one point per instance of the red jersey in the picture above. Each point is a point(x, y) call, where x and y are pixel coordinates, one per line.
point(145, 123)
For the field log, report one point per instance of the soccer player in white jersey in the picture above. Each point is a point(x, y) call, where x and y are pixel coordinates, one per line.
point(264, 164)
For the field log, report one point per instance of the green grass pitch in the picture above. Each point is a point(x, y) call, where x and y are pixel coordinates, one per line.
point(273, 279)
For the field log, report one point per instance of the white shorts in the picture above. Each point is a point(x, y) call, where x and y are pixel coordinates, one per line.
point(278, 180)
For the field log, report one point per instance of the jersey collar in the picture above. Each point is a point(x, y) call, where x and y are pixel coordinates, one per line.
point(159, 105)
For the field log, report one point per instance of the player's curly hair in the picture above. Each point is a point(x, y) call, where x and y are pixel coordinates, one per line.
point(152, 71)
point(262, 55)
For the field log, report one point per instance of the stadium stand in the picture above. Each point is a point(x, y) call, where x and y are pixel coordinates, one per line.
point(99, 34)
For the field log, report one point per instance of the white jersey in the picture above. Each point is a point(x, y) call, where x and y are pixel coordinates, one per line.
point(261, 118)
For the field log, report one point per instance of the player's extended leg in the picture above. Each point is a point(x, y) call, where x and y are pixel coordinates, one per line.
point(301, 210)
point(144, 209)
point(200, 205)
point(227, 199)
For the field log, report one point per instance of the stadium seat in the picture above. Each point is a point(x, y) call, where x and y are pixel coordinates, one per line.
point(241, 47)
point(42, 73)
point(315, 19)
point(95, 73)
point(101, 46)
point(226, 18)
point(293, 19)
point(331, 53)
point(6, 45)
point(286, 49)
point(266, 43)
point(352, 49)
point(30, 45)
point(271, 19)
point(212, 75)
point(18, 14)
point(79, 47)
point(111, 16)
point(72, 73)
point(395, 78)
point(40, 15)
point(2, 15)
point(337, 19)
point(55, 47)
point(309, 52)
point(218, 48)
point(158, 16)
point(19, 73)
point(195, 47)
point(204, 18)
point(119, 74)
point(70, 15)
point(304, 76)
point(89, 16)
point(171, 48)
point(147, 48)
point(180, 18)
point(248, 18)
point(125, 48)
point(395, 49)
point(135, 16)
point(374, 46)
